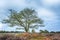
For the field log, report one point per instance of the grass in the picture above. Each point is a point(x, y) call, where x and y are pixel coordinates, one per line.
point(27, 35)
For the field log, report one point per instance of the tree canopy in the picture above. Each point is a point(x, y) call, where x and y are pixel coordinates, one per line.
point(26, 18)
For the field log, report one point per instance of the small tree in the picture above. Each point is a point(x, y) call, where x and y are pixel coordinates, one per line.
point(33, 31)
point(44, 31)
point(27, 18)
point(41, 31)
point(52, 32)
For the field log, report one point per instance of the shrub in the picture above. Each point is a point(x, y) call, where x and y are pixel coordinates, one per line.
point(55, 39)
point(15, 38)
point(35, 35)
point(4, 37)
point(25, 35)
point(11, 37)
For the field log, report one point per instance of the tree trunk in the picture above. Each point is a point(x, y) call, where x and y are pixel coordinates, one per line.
point(26, 29)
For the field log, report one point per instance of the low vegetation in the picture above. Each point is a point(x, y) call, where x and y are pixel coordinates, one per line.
point(30, 36)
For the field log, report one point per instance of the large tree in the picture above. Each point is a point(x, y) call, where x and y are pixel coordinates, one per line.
point(27, 18)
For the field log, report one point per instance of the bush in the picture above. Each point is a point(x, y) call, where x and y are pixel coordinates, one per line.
point(55, 39)
point(25, 35)
point(11, 37)
point(4, 37)
point(16, 38)
point(34, 35)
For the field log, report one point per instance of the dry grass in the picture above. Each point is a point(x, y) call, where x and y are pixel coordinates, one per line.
point(29, 36)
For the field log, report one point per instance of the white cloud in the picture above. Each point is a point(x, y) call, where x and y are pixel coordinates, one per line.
point(50, 2)
point(46, 14)
point(49, 17)
point(32, 4)
point(3, 3)
point(1, 26)
point(18, 3)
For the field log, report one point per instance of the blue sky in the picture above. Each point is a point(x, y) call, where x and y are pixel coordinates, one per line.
point(48, 10)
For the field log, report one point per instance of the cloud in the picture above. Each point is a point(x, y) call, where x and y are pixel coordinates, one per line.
point(3, 4)
point(50, 2)
point(46, 14)
point(49, 18)
point(21, 4)
point(17, 4)
point(32, 4)
point(1, 26)
point(5, 27)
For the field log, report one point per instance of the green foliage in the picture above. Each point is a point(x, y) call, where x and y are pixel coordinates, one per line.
point(11, 32)
point(52, 32)
point(25, 18)
point(44, 31)
point(33, 31)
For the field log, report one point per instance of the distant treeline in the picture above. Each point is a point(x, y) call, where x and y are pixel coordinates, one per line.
point(11, 32)
point(46, 31)
point(41, 31)
point(55, 32)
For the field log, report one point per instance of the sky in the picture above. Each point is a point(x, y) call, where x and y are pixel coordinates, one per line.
point(48, 10)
